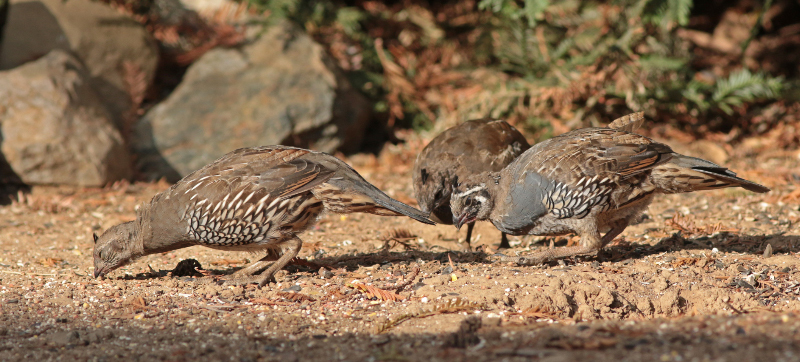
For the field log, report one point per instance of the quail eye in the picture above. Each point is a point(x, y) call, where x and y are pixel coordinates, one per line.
point(468, 202)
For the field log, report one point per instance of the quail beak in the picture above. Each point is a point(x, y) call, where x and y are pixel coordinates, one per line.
point(459, 221)
point(99, 272)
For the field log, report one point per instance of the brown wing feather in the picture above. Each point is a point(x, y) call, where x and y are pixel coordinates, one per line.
point(628, 123)
point(296, 176)
point(602, 152)
point(276, 169)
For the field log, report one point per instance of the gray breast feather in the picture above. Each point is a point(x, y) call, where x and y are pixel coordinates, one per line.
point(524, 204)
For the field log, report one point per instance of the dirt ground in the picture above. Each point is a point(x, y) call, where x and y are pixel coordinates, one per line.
point(694, 281)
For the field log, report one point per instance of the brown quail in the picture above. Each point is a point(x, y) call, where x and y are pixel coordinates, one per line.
point(469, 148)
point(586, 181)
point(252, 199)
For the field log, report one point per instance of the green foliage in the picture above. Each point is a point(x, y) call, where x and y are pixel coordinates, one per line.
point(668, 13)
point(532, 10)
point(349, 19)
point(578, 62)
point(742, 87)
point(575, 58)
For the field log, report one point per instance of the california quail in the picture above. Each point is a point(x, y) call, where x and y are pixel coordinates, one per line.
point(251, 199)
point(585, 181)
point(469, 148)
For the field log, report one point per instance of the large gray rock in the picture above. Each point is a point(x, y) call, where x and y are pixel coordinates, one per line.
point(54, 127)
point(279, 89)
point(108, 43)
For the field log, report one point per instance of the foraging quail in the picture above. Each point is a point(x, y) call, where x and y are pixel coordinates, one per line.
point(251, 199)
point(469, 148)
point(585, 181)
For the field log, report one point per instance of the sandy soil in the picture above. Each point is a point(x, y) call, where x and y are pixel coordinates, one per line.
point(691, 282)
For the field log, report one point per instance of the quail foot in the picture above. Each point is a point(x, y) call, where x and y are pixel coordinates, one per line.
point(586, 182)
point(252, 199)
point(469, 148)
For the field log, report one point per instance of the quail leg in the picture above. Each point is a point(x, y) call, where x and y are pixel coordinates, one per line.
point(261, 264)
point(504, 242)
point(591, 243)
point(470, 226)
point(292, 248)
point(618, 228)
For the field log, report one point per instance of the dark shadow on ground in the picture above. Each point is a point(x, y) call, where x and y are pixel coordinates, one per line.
point(724, 242)
point(272, 338)
point(10, 183)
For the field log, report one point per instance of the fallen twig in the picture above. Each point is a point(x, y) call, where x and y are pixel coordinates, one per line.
point(449, 306)
point(408, 280)
point(23, 273)
point(399, 236)
point(218, 309)
point(296, 297)
point(373, 291)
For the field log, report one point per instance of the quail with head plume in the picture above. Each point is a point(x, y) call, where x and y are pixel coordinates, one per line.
point(252, 199)
point(469, 148)
point(586, 182)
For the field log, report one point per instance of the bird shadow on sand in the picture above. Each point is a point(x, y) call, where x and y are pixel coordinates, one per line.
point(723, 242)
point(349, 262)
point(619, 252)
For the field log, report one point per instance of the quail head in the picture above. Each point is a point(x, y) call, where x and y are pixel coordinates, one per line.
point(252, 199)
point(469, 148)
point(586, 182)
point(114, 252)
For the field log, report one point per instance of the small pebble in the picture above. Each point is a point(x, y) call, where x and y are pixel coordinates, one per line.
point(293, 288)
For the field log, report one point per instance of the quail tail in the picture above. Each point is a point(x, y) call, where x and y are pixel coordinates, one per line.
point(379, 202)
point(391, 204)
point(687, 174)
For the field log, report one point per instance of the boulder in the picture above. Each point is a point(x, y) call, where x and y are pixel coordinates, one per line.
point(110, 44)
point(279, 89)
point(54, 128)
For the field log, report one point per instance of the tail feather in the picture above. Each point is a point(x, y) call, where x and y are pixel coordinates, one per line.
point(723, 175)
point(687, 174)
point(628, 123)
point(403, 209)
point(365, 197)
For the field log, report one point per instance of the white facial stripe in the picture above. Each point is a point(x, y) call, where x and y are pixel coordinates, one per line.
point(480, 199)
point(472, 190)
